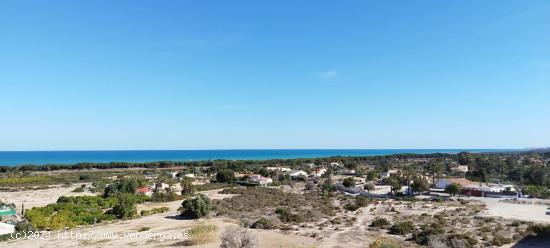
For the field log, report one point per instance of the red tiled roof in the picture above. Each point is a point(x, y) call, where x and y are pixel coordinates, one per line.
point(143, 190)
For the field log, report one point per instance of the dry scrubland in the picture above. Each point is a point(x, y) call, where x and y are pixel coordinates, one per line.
point(293, 217)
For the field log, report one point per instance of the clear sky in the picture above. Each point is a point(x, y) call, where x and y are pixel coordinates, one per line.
point(78, 75)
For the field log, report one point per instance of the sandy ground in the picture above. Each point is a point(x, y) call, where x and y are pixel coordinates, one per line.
point(535, 213)
point(119, 234)
point(170, 223)
point(38, 198)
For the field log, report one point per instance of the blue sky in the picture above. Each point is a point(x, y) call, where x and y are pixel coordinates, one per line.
point(77, 75)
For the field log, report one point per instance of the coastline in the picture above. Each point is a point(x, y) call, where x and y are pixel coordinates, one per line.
point(19, 158)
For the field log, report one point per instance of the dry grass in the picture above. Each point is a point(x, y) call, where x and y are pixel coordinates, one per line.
point(202, 233)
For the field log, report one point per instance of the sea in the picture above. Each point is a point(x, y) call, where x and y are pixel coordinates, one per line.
point(16, 158)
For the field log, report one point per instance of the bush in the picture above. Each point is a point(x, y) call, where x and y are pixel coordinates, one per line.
point(351, 207)
point(499, 240)
point(237, 237)
point(202, 233)
point(286, 216)
point(71, 212)
point(165, 197)
point(422, 237)
point(126, 206)
point(369, 186)
point(539, 229)
point(143, 229)
point(380, 243)
point(380, 222)
point(154, 211)
point(263, 223)
point(78, 190)
point(196, 207)
point(402, 228)
point(84, 177)
point(254, 203)
point(362, 201)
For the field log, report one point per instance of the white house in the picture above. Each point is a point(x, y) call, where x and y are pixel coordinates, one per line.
point(263, 181)
point(283, 169)
point(297, 173)
point(460, 168)
point(443, 183)
point(310, 165)
point(317, 172)
point(335, 164)
point(388, 173)
point(161, 186)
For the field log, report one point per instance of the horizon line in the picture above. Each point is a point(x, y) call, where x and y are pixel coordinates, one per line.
point(259, 149)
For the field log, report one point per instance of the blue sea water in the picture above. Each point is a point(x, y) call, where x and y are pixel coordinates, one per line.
point(14, 158)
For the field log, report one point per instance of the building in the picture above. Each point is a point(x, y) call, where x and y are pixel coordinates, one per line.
point(297, 173)
point(460, 169)
point(145, 190)
point(259, 179)
point(463, 182)
point(318, 172)
point(310, 165)
point(283, 169)
point(388, 173)
point(335, 164)
point(161, 186)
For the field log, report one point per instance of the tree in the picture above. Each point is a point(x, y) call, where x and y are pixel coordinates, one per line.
point(372, 175)
point(238, 237)
point(187, 186)
point(225, 176)
point(394, 183)
point(435, 168)
point(196, 207)
point(420, 185)
point(453, 189)
point(465, 158)
point(369, 186)
point(125, 185)
point(166, 177)
point(349, 182)
point(126, 206)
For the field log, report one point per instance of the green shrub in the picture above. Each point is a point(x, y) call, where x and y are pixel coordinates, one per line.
point(126, 206)
point(196, 207)
point(402, 228)
point(84, 177)
point(351, 207)
point(422, 237)
point(380, 222)
point(165, 196)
